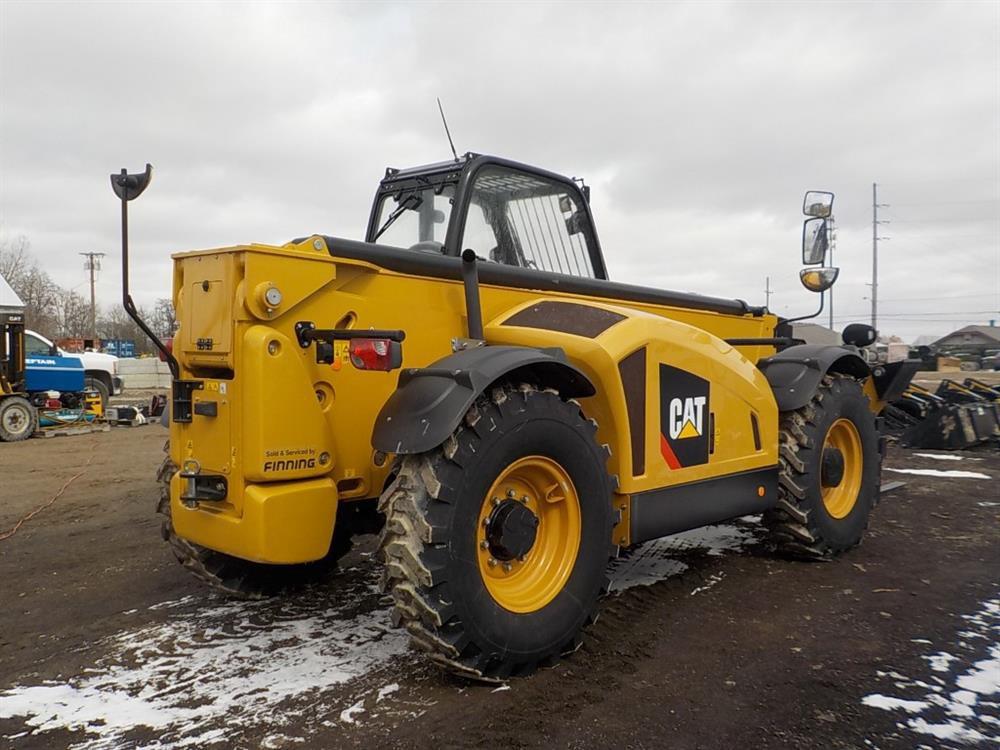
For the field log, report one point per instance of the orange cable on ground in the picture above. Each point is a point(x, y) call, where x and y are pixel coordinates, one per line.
point(8, 534)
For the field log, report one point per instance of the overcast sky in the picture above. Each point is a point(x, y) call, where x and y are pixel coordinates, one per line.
point(698, 125)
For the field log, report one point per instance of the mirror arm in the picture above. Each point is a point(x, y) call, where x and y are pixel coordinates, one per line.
point(822, 298)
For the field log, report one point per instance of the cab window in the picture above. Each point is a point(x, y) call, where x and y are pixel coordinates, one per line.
point(524, 220)
point(34, 345)
point(416, 218)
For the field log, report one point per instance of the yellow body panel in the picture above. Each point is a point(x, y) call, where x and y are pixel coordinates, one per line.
point(275, 403)
point(740, 388)
point(287, 522)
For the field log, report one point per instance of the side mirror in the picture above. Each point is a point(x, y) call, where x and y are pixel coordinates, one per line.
point(575, 223)
point(818, 203)
point(815, 242)
point(818, 279)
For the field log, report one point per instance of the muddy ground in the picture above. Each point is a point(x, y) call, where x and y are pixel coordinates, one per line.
point(708, 640)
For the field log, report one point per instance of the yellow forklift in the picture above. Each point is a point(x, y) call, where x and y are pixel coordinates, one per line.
point(470, 381)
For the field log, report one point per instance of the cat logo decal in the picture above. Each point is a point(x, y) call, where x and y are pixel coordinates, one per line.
point(684, 418)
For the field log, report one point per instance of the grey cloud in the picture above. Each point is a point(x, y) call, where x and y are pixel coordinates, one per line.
point(699, 126)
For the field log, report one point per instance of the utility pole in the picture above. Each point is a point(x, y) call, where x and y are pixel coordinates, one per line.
point(767, 292)
point(92, 264)
point(875, 238)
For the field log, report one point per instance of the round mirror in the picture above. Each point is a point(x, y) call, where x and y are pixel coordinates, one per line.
point(818, 279)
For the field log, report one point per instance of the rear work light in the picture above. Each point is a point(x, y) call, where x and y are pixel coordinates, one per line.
point(376, 354)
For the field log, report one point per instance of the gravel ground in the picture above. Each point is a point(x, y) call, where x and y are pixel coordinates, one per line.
point(706, 641)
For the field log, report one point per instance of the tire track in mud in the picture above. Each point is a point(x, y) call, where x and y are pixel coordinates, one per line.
point(208, 671)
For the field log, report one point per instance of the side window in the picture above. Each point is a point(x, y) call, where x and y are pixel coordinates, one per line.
point(34, 345)
point(479, 234)
point(523, 220)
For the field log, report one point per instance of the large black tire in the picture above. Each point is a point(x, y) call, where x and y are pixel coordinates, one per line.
point(431, 545)
point(804, 524)
point(234, 576)
point(18, 419)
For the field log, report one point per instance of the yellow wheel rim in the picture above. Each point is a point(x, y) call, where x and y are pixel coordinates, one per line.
point(528, 581)
point(841, 497)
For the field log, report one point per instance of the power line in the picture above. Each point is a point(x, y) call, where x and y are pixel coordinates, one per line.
point(947, 220)
point(950, 203)
point(952, 296)
point(930, 312)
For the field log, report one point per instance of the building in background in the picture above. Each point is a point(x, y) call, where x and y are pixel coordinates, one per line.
point(813, 333)
point(9, 301)
point(971, 340)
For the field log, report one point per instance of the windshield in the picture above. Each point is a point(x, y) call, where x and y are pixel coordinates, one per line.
point(416, 218)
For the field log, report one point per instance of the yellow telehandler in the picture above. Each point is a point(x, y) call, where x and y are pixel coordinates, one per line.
point(469, 383)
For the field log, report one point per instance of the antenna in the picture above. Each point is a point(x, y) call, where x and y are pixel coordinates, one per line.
point(446, 131)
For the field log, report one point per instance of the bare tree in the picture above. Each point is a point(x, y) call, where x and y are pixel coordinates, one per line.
point(40, 294)
point(114, 323)
point(74, 315)
point(15, 257)
point(41, 300)
point(58, 313)
point(164, 321)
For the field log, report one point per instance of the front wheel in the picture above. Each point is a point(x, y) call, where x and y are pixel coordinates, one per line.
point(830, 472)
point(496, 543)
point(18, 419)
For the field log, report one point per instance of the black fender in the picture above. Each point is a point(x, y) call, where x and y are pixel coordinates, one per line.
point(795, 373)
point(429, 402)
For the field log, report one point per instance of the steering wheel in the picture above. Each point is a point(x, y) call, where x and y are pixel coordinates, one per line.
point(428, 246)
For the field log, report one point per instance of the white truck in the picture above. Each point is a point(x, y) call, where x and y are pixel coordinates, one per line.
point(100, 370)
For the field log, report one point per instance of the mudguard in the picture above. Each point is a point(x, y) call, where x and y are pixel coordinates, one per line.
point(429, 402)
point(795, 373)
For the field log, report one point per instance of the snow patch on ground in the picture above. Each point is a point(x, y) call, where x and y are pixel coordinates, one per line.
point(712, 580)
point(348, 714)
point(204, 674)
point(952, 473)
point(660, 559)
point(940, 456)
point(939, 662)
point(959, 701)
point(885, 702)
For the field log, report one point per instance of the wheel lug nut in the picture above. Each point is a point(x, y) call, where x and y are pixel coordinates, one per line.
point(510, 493)
point(522, 558)
point(491, 562)
point(524, 499)
point(484, 544)
point(496, 501)
point(506, 567)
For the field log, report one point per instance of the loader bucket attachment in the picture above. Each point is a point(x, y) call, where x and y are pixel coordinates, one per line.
point(954, 427)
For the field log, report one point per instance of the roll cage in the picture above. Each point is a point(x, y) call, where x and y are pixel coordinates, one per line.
point(462, 176)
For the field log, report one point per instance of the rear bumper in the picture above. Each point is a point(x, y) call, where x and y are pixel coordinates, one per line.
point(281, 523)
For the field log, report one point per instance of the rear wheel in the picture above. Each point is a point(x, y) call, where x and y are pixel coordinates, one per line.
point(830, 472)
point(18, 419)
point(496, 543)
point(234, 576)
